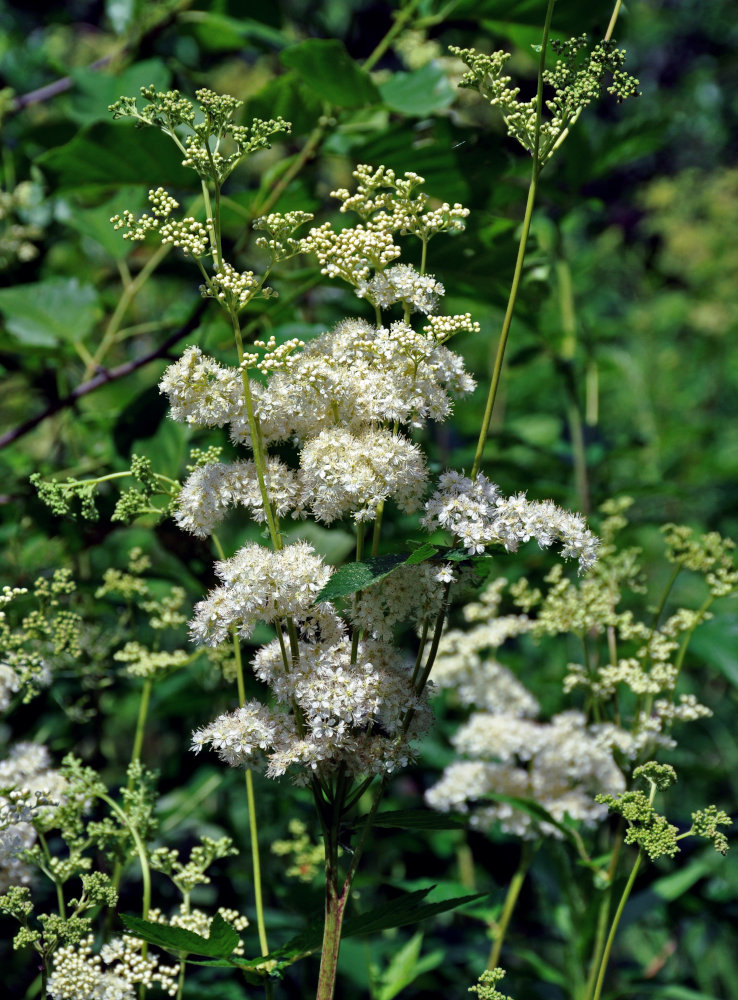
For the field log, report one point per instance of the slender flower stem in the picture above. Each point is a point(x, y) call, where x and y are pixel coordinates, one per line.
point(129, 293)
point(143, 710)
point(614, 926)
point(517, 274)
point(499, 930)
point(604, 911)
point(401, 18)
point(250, 797)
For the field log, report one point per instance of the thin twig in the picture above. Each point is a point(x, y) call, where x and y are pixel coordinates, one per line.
point(103, 377)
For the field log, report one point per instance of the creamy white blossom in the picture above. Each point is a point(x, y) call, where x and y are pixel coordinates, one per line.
point(259, 584)
point(342, 473)
point(479, 516)
point(211, 489)
point(561, 765)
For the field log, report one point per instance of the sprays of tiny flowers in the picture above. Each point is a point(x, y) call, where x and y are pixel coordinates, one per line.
point(350, 711)
point(81, 974)
point(211, 489)
point(486, 988)
point(307, 857)
point(476, 513)
point(561, 765)
point(214, 145)
point(259, 585)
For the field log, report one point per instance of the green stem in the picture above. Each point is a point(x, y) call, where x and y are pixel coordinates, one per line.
point(256, 446)
point(513, 891)
point(614, 927)
point(604, 912)
point(143, 708)
point(250, 797)
point(140, 850)
point(127, 296)
point(517, 274)
point(357, 596)
point(401, 18)
point(61, 905)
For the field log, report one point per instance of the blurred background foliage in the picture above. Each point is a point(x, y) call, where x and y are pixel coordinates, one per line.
point(624, 339)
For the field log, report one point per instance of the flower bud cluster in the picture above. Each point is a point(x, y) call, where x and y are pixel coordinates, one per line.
point(576, 80)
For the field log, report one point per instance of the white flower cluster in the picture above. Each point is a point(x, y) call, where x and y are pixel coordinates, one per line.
point(409, 594)
point(373, 465)
point(476, 513)
point(561, 765)
point(229, 284)
point(79, 974)
point(201, 391)
point(210, 490)
point(35, 790)
point(389, 202)
point(330, 396)
point(351, 254)
point(402, 283)
point(259, 584)
point(330, 710)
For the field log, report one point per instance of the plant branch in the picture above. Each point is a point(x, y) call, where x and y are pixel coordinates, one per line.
point(103, 377)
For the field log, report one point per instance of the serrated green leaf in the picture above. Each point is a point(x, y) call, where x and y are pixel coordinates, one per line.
point(108, 155)
point(418, 93)
point(359, 575)
point(405, 967)
point(328, 69)
point(220, 942)
point(417, 819)
point(421, 554)
point(46, 312)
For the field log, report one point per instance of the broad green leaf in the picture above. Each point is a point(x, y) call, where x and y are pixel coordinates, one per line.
point(95, 222)
point(419, 93)
point(45, 312)
point(359, 575)
point(290, 97)
point(111, 154)
point(326, 66)
point(407, 909)
point(416, 819)
point(676, 883)
point(715, 642)
point(96, 90)
point(547, 972)
point(220, 942)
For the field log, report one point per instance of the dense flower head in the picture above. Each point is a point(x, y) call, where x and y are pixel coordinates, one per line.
point(331, 709)
point(122, 965)
point(342, 473)
point(259, 584)
point(476, 513)
point(211, 489)
point(201, 391)
point(561, 765)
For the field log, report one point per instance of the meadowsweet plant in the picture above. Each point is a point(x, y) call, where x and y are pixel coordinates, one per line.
point(336, 695)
